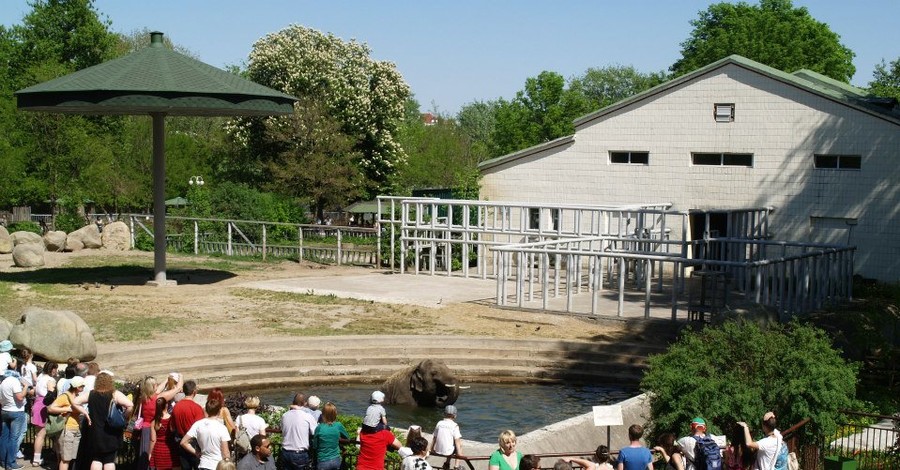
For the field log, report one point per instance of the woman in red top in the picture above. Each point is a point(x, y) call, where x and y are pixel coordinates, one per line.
point(150, 392)
point(373, 448)
point(162, 441)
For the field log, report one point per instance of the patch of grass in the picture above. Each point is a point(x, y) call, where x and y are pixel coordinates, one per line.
point(135, 329)
point(310, 297)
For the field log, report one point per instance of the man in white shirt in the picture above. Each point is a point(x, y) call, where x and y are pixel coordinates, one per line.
point(297, 426)
point(12, 397)
point(212, 436)
point(768, 447)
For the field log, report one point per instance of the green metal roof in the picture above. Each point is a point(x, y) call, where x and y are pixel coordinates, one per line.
point(155, 79)
point(367, 207)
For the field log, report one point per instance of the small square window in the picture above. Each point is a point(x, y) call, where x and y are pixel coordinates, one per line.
point(722, 159)
point(634, 158)
point(838, 162)
point(724, 112)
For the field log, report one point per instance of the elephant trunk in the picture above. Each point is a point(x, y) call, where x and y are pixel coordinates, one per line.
point(446, 394)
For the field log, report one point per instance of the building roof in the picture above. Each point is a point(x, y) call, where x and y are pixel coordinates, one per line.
point(526, 152)
point(804, 79)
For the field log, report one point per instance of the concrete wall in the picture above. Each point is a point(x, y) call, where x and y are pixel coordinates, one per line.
point(781, 125)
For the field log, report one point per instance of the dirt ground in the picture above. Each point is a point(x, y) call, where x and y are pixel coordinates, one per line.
point(107, 290)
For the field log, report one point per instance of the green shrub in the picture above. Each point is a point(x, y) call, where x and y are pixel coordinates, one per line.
point(68, 222)
point(142, 241)
point(739, 371)
point(25, 226)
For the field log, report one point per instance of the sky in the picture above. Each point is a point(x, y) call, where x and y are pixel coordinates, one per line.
point(454, 52)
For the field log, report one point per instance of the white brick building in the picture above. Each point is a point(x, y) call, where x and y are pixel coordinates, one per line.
point(734, 134)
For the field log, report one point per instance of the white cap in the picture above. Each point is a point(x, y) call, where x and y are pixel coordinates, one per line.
point(314, 402)
point(377, 396)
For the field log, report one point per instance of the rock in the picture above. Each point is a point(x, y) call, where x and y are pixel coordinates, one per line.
point(116, 236)
point(748, 313)
point(28, 255)
point(54, 335)
point(6, 243)
point(22, 237)
point(5, 328)
point(85, 237)
point(55, 240)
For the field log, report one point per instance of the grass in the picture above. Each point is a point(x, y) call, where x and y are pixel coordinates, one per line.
point(310, 297)
point(134, 329)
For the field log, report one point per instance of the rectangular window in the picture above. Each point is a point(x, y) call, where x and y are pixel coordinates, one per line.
point(534, 218)
point(722, 159)
point(634, 158)
point(723, 112)
point(838, 162)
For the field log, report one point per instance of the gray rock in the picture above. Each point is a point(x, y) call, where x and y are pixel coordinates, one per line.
point(6, 243)
point(55, 240)
point(116, 236)
point(22, 237)
point(54, 335)
point(5, 328)
point(28, 255)
point(85, 237)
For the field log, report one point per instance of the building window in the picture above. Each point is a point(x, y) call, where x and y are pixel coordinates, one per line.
point(723, 159)
point(838, 162)
point(534, 218)
point(723, 112)
point(634, 158)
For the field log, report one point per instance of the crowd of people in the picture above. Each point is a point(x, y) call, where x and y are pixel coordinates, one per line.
point(171, 430)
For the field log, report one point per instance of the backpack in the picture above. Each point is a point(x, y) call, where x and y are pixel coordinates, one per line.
point(781, 460)
point(707, 455)
point(242, 439)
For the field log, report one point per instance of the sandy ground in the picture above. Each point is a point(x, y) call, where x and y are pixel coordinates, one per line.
point(211, 302)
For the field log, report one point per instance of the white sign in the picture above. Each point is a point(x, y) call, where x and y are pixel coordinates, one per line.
point(608, 415)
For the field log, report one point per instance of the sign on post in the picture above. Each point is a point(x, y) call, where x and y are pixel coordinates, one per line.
point(610, 415)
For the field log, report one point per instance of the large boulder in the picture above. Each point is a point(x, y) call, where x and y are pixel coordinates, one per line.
point(22, 237)
point(28, 255)
point(85, 237)
point(116, 236)
point(5, 328)
point(54, 335)
point(6, 243)
point(55, 240)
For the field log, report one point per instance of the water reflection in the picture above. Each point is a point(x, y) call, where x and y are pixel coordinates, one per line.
point(484, 409)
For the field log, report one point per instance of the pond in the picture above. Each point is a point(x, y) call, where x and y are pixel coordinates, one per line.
point(485, 410)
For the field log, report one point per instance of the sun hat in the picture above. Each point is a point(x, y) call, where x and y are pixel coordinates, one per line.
point(698, 423)
point(450, 410)
point(313, 402)
point(6, 345)
point(377, 396)
point(76, 382)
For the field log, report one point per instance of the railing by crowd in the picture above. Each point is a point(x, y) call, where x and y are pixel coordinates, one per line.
point(875, 444)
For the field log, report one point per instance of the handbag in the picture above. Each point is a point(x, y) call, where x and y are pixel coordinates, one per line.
point(57, 423)
point(242, 439)
point(115, 419)
point(133, 424)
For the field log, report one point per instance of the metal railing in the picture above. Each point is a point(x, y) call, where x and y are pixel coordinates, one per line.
point(873, 446)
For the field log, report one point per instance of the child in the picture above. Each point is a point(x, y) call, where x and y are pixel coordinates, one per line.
point(447, 439)
point(600, 462)
point(419, 447)
point(376, 418)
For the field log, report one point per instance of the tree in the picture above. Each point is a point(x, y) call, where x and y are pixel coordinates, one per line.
point(437, 155)
point(604, 86)
point(739, 371)
point(364, 96)
point(477, 120)
point(886, 82)
point(773, 33)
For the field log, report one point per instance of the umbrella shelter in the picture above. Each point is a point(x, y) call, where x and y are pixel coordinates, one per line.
point(158, 82)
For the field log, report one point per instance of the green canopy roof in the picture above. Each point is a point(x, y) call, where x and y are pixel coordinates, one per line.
point(155, 79)
point(367, 207)
point(177, 201)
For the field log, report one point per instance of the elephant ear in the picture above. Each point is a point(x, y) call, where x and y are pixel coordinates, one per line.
point(416, 380)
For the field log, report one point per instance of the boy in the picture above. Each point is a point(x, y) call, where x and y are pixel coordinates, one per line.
point(635, 456)
point(447, 438)
point(416, 461)
point(376, 418)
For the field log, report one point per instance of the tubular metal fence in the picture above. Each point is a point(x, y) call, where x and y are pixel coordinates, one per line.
point(874, 445)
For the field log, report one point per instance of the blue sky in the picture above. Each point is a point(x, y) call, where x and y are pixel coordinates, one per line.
point(457, 51)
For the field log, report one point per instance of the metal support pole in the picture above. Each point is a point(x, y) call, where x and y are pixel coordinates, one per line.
point(621, 307)
point(340, 248)
point(300, 243)
point(196, 237)
point(229, 239)
point(159, 198)
point(264, 241)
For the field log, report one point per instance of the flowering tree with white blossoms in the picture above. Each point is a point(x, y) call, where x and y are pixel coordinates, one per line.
point(365, 96)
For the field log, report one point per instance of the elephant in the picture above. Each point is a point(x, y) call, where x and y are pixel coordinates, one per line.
point(429, 383)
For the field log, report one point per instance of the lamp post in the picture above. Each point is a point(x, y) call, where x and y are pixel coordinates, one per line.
point(195, 182)
point(198, 180)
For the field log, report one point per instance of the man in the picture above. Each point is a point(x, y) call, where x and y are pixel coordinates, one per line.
point(212, 438)
point(185, 413)
point(688, 443)
point(768, 448)
point(260, 457)
point(635, 456)
point(297, 426)
point(447, 438)
point(13, 390)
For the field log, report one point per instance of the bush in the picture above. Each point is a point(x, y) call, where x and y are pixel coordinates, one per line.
point(739, 371)
point(25, 226)
point(68, 222)
point(142, 241)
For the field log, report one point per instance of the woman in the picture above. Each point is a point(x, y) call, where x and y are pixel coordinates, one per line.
point(151, 390)
point(67, 405)
point(44, 384)
point(327, 439)
point(737, 455)
point(225, 414)
point(163, 453)
point(253, 423)
point(671, 453)
point(600, 460)
point(104, 439)
point(506, 457)
point(373, 446)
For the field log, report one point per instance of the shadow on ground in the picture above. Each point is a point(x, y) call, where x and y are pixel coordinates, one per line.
point(124, 275)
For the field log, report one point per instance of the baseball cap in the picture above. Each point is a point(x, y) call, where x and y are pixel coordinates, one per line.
point(450, 410)
point(313, 402)
point(698, 423)
point(6, 345)
point(76, 381)
point(377, 396)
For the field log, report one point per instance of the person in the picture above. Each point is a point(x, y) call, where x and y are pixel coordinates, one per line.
point(93, 370)
point(600, 460)
point(737, 456)
point(688, 444)
point(224, 412)
point(296, 428)
point(447, 438)
point(163, 448)
point(104, 439)
point(252, 422)
point(226, 465)
point(150, 391)
point(13, 390)
point(327, 439)
point(670, 451)
point(416, 461)
point(635, 456)
point(562, 464)
point(44, 384)
point(373, 446)
point(211, 435)
point(376, 417)
point(184, 414)
point(767, 448)
point(506, 457)
point(413, 431)
point(27, 369)
point(260, 456)
point(312, 407)
point(70, 438)
point(5, 357)
point(530, 462)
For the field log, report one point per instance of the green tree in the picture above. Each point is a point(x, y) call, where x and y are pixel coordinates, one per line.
point(603, 86)
point(366, 97)
point(739, 371)
point(886, 81)
point(437, 154)
point(477, 121)
point(772, 32)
